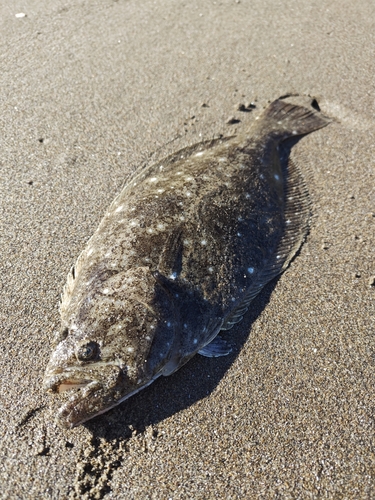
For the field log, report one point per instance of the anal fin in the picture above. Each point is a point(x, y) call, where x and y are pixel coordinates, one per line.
point(295, 228)
point(237, 314)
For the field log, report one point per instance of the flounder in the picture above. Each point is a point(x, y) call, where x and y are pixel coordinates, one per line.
point(178, 257)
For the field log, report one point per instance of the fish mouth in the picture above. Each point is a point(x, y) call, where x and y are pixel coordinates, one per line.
point(79, 408)
point(93, 393)
point(64, 382)
point(90, 397)
point(68, 385)
point(74, 411)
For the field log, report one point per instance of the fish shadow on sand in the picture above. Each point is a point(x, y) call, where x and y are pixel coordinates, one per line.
point(194, 381)
point(168, 395)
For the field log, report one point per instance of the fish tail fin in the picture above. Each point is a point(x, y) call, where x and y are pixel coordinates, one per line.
point(288, 120)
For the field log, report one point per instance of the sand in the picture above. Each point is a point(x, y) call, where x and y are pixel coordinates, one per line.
point(90, 91)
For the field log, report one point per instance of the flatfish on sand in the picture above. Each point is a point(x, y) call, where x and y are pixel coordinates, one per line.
point(178, 257)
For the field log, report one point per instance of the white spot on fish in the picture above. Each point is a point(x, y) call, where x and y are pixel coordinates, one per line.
point(210, 269)
point(106, 290)
point(294, 132)
point(173, 276)
point(278, 257)
point(223, 159)
point(89, 252)
point(277, 177)
point(188, 193)
point(150, 230)
point(239, 234)
point(161, 167)
point(160, 190)
point(203, 242)
point(189, 178)
point(118, 209)
point(169, 324)
point(195, 341)
point(133, 223)
point(200, 153)
point(153, 179)
point(161, 226)
point(288, 221)
point(247, 195)
point(187, 242)
point(130, 349)
point(250, 270)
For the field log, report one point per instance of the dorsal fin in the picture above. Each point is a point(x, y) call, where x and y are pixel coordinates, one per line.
point(147, 168)
point(69, 285)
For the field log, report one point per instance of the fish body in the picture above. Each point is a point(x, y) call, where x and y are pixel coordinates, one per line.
point(178, 257)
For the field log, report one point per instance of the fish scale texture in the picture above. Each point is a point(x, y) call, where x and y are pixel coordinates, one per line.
point(179, 255)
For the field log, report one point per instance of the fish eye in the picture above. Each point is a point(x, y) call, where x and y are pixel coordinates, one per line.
point(87, 352)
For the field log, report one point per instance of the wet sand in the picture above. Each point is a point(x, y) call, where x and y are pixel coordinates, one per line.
point(89, 92)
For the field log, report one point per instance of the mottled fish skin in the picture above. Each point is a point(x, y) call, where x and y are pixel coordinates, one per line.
point(179, 255)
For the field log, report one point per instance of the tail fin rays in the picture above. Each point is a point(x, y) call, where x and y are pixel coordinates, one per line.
point(288, 120)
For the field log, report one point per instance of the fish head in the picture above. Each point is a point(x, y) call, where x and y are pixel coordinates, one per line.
point(115, 340)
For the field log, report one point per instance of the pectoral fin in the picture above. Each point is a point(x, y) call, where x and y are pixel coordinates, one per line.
point(216, 348)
